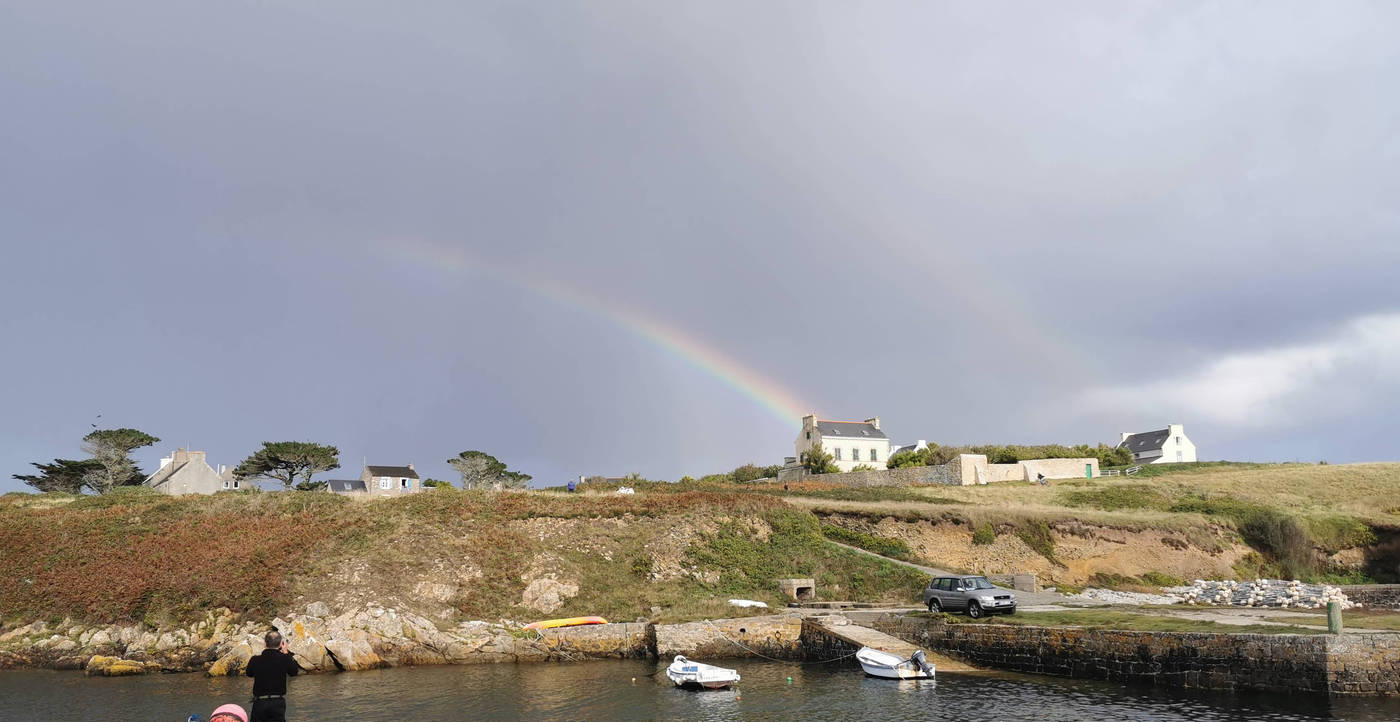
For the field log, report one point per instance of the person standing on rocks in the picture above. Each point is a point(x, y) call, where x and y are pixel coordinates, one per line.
point(270, 671)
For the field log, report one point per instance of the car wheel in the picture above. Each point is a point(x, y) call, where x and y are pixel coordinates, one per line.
point(974, 610)
point(934, 606)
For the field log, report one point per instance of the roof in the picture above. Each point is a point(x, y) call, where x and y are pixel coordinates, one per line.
point(1146, 441)
point(392, 471)
point(345, 486)
point(164, 473)
point(850, 429)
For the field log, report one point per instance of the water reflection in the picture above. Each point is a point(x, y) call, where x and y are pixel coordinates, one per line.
point(606, 691)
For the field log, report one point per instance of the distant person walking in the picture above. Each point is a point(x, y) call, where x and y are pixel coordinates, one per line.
point(1040, 479)
point(270, 671)
point(571, 485)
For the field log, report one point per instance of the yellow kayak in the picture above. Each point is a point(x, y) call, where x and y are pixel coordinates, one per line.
point(567, 622)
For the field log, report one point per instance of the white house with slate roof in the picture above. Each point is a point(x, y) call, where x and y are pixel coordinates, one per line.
point(1164, 446)
point(850, 443)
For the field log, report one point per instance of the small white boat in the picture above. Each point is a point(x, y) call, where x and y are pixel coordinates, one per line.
point(890, 666)
point(694, 675)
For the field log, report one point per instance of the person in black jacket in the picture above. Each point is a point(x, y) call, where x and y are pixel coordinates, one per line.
point(270, 671)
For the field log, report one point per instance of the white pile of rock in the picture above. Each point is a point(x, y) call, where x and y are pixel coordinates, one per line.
point(1111, 596)
point(1264, 593)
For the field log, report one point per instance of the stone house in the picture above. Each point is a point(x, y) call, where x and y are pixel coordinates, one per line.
point(390, 480)
point(1163, 446)
point(850, 443)
point(186, 472)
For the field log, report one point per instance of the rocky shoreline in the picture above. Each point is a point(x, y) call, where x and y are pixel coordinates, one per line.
point(373, 637)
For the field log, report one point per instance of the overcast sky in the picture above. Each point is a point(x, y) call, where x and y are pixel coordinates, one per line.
point(610, 237)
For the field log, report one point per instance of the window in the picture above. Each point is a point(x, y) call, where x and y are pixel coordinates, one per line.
point(836, 453)
point(225, 484)
point(872, 455)
point(235, 483)
point(1178, 441)
point(855, 454)
point(384, 482)
point(403, 483)
point(809, 436)
point(1178, 456)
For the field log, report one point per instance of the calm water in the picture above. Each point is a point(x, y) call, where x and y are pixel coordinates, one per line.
point(604, 690)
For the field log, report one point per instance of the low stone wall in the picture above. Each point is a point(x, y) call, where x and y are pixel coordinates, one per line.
point(772, 636)
point(1366, 664)
point(1375, 596)
point(966, 470)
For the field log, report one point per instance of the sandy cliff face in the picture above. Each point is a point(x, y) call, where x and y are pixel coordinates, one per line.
point(1081, 550)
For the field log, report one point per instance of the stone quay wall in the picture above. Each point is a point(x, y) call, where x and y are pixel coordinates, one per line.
point(1360, 664)
point(771, 636)
point(1374, 596)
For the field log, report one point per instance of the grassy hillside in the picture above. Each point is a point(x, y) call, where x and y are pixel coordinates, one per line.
point(136, 555)
point(1337, 522)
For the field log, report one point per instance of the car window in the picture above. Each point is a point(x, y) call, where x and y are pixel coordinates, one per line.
point(978, 583)
point(941, 585)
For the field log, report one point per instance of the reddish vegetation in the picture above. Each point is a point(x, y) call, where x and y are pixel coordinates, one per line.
point(136, 555)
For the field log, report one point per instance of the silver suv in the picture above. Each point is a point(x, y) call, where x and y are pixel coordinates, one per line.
point(967, 593)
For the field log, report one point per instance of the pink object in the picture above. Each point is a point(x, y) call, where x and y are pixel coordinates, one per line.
point(230, 709)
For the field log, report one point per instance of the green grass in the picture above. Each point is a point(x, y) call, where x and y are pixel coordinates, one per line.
point(1114, 498)
point(885, 547)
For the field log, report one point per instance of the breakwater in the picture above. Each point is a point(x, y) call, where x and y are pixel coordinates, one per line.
point(1351, 664)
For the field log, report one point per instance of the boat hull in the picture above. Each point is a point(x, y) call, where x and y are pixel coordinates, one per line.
point(566, 622)
point(888, 666)
point(696, 676)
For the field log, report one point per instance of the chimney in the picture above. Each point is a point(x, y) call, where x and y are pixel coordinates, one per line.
point(165, 461)
point(222, 469)
point(181, 456)
point(874, 421)
point(410, 466)
point(809, 420)
point(196, 457)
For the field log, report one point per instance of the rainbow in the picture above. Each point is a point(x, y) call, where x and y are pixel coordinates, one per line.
point(765, 392)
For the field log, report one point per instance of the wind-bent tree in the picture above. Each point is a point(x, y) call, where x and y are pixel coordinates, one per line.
point(111, 449)
point(63, 475)
point(481, 470)
point(818, 461)
point(287, 461)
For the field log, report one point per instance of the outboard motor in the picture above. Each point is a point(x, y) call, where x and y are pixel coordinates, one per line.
point(921, 663)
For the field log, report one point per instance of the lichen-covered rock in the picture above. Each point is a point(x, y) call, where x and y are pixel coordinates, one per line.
point(99, 666)
point(547, 594)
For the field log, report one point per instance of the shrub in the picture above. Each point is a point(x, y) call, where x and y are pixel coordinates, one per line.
point(883, 546)
point(1160, 579)
point(1114, 498)
point(1282, 540)
point(1037, 535)
point(1338, 532)
point(984, 534)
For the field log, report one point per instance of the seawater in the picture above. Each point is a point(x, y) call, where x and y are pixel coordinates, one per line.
point(605, 690)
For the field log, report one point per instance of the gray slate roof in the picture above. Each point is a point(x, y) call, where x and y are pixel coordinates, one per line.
point(392, 471)
point(345, 486)
point(1146, 441)
point(850, 429)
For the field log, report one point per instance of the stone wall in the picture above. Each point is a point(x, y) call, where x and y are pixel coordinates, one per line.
point(772, 636)
point(966, 470)
point(1346, 664)
point(1377, 596)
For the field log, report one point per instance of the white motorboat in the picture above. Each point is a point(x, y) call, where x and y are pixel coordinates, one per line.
point(695, 675)
point(891, 666)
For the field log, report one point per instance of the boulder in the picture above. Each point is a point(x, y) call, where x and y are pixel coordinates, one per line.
point(99, 666)
point(547, 594)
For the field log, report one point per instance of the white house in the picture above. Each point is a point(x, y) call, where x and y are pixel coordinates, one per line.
point(850, 443)
point(1164, 446)
point(186, 472)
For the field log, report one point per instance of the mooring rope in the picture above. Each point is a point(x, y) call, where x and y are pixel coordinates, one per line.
point(741, 645)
